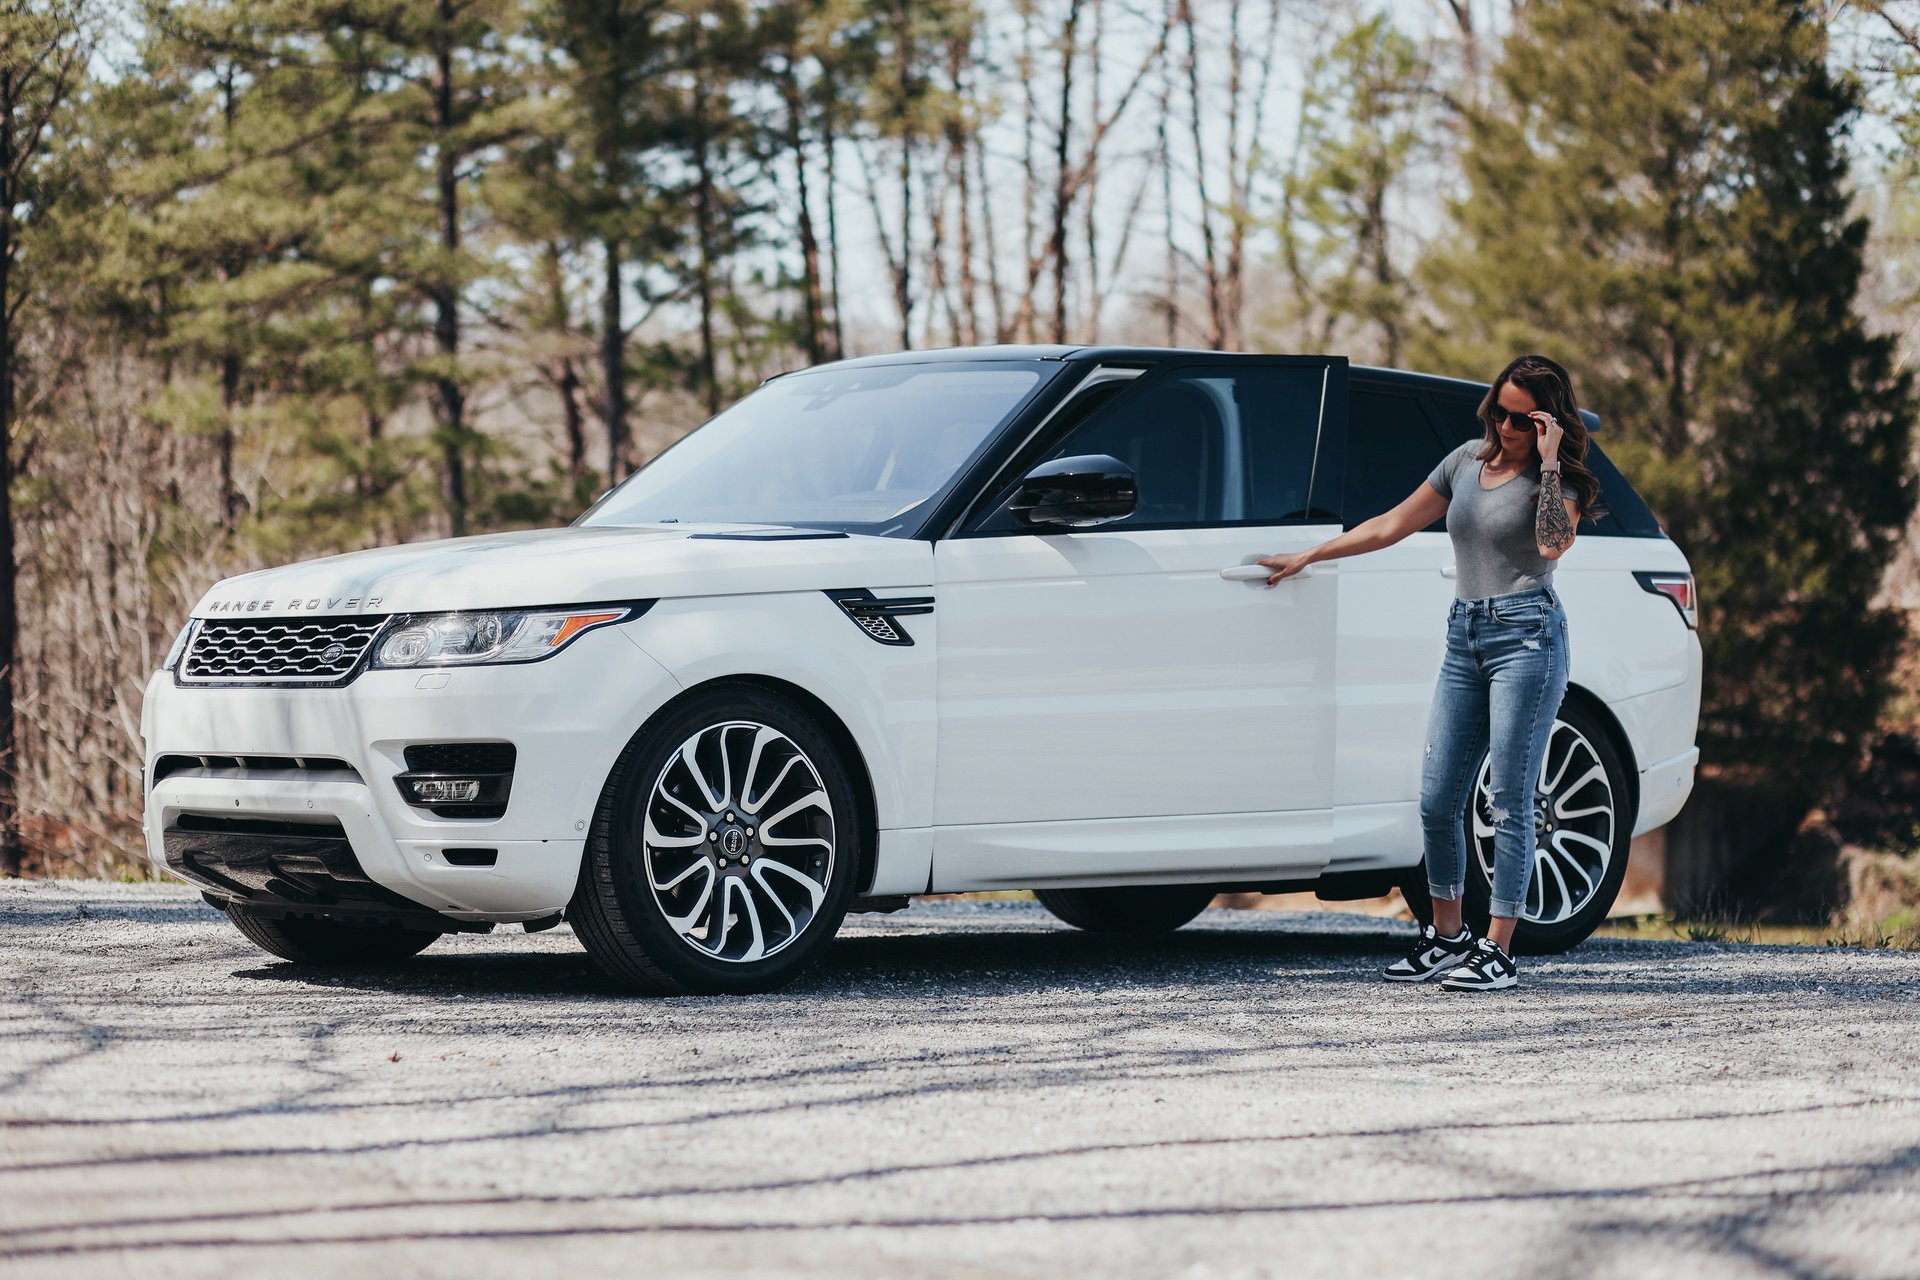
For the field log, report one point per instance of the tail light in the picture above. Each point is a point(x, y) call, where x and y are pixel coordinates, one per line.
point(1677, 587)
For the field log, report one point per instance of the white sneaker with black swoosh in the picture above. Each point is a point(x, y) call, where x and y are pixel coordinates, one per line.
point(1431, 955)
point(1488, 968)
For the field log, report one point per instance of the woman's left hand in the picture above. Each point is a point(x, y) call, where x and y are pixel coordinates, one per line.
point(1547, 434)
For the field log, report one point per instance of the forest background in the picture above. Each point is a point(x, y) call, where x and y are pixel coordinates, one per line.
point(280, 278)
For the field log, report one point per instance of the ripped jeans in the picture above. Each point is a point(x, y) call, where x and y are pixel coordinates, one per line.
point(1500, 684)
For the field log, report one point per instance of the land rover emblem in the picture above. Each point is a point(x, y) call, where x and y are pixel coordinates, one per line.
point(333, 653)
point(733, 842)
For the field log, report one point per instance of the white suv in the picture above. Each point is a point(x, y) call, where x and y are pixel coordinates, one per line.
point(940, 621)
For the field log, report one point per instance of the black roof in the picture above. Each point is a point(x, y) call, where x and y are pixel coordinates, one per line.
point(1153, 355)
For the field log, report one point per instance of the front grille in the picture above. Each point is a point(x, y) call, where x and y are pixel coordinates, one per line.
point(316, 651)
point(296, 767)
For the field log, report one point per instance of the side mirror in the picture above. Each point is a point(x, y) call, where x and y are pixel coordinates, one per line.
point(1074, 493)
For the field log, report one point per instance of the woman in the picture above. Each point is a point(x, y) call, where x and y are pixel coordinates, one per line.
point(1512, 500)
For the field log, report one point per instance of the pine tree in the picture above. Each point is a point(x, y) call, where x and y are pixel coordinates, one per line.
point(595, 174)
point(1658, 196)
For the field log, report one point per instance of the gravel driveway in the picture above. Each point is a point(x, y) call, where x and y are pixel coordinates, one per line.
point(959, 1090)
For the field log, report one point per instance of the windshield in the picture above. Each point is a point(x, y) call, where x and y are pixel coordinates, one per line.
point(862, 450)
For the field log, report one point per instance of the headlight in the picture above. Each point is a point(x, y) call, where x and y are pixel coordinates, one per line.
point(495, 636)
point(179, 646)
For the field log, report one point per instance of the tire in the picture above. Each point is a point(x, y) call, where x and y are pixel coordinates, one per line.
point(1144, 909)
point(335, 943)
point(1579, 866)
point(664, 843)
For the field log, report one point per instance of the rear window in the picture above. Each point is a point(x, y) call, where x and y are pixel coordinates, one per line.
point(1391, 447)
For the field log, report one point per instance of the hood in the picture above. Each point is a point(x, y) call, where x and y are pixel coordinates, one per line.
point(573, 566)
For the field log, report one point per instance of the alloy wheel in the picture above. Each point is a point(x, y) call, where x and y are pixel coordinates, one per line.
point(739, 841)
point(1574, 817)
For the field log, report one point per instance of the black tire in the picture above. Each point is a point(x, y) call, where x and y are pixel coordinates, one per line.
point(1533, 937)
point(336, 943)
point(617, 913)
point(1157, 908)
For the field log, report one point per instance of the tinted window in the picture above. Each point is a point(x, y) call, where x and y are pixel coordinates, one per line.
point(1459, 417)
point(1391, 447)
point(1207, 446)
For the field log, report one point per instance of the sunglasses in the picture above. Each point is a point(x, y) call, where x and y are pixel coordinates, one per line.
point(1503, 415)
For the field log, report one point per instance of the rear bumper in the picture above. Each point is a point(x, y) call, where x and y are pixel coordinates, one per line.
point(568, 717)
point(1664, 788)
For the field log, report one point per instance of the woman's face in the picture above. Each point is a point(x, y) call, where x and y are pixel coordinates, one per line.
point(1516, 433)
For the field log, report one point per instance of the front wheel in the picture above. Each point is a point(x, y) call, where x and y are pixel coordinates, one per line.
point(1143, 909)
point(329, 942)
point(724, 850)
point(1583, 825)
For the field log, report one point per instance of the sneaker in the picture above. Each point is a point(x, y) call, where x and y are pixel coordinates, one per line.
point(1431, 954)
point(1488, 968)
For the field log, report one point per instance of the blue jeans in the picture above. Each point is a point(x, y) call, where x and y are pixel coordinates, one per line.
point(1500, 686)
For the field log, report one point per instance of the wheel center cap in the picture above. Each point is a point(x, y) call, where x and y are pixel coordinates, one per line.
point(733, 842)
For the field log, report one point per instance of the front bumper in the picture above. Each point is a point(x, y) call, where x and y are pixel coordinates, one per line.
point(569, 718)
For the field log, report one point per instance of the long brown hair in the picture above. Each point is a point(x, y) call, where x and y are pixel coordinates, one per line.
point(1551, 390)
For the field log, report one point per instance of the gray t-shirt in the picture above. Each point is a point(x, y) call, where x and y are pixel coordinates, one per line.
point(1494, 551)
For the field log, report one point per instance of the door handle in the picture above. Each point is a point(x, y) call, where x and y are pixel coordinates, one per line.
point(1257, 573)
point(1449, 571)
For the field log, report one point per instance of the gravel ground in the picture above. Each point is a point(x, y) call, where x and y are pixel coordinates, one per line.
point(961, 1089)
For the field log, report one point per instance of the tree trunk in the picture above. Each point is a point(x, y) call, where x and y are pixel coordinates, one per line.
point(445, 291)
point(568, 385)
point(1172, 283)
point(831, 146)
point(703, 223)
point(812, 323)
point(613, 368)
point(1209, 259)
point(903, 283)
point(10, 850)
point(229, 359)
point(1062, 177)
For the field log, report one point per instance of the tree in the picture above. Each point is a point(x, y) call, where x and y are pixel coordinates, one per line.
point(601, 174)
point(43, 54)
point(1668, 213)
point(1362, 126)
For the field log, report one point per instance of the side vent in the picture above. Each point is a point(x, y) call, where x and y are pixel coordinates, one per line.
point(880, 618)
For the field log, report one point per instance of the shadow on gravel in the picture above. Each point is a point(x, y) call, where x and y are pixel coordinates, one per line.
point(1014, 962)
point(958, 964)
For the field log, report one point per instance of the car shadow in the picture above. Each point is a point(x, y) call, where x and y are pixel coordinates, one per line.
point(1002, 960)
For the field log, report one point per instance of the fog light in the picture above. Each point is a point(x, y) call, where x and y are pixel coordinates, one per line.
point(445, 790)
point(457, 793)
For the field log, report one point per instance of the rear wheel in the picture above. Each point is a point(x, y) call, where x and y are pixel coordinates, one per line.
point(329, 942)
point(724, 851)
point(1142, 909)
point(1583, 824)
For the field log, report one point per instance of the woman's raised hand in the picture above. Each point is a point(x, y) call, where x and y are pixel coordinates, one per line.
point(1547, 434)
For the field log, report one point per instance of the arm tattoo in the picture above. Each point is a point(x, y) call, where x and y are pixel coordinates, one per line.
point(1550, 527)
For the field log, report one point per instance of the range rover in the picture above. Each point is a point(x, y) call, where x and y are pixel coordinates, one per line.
point(941, 621)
